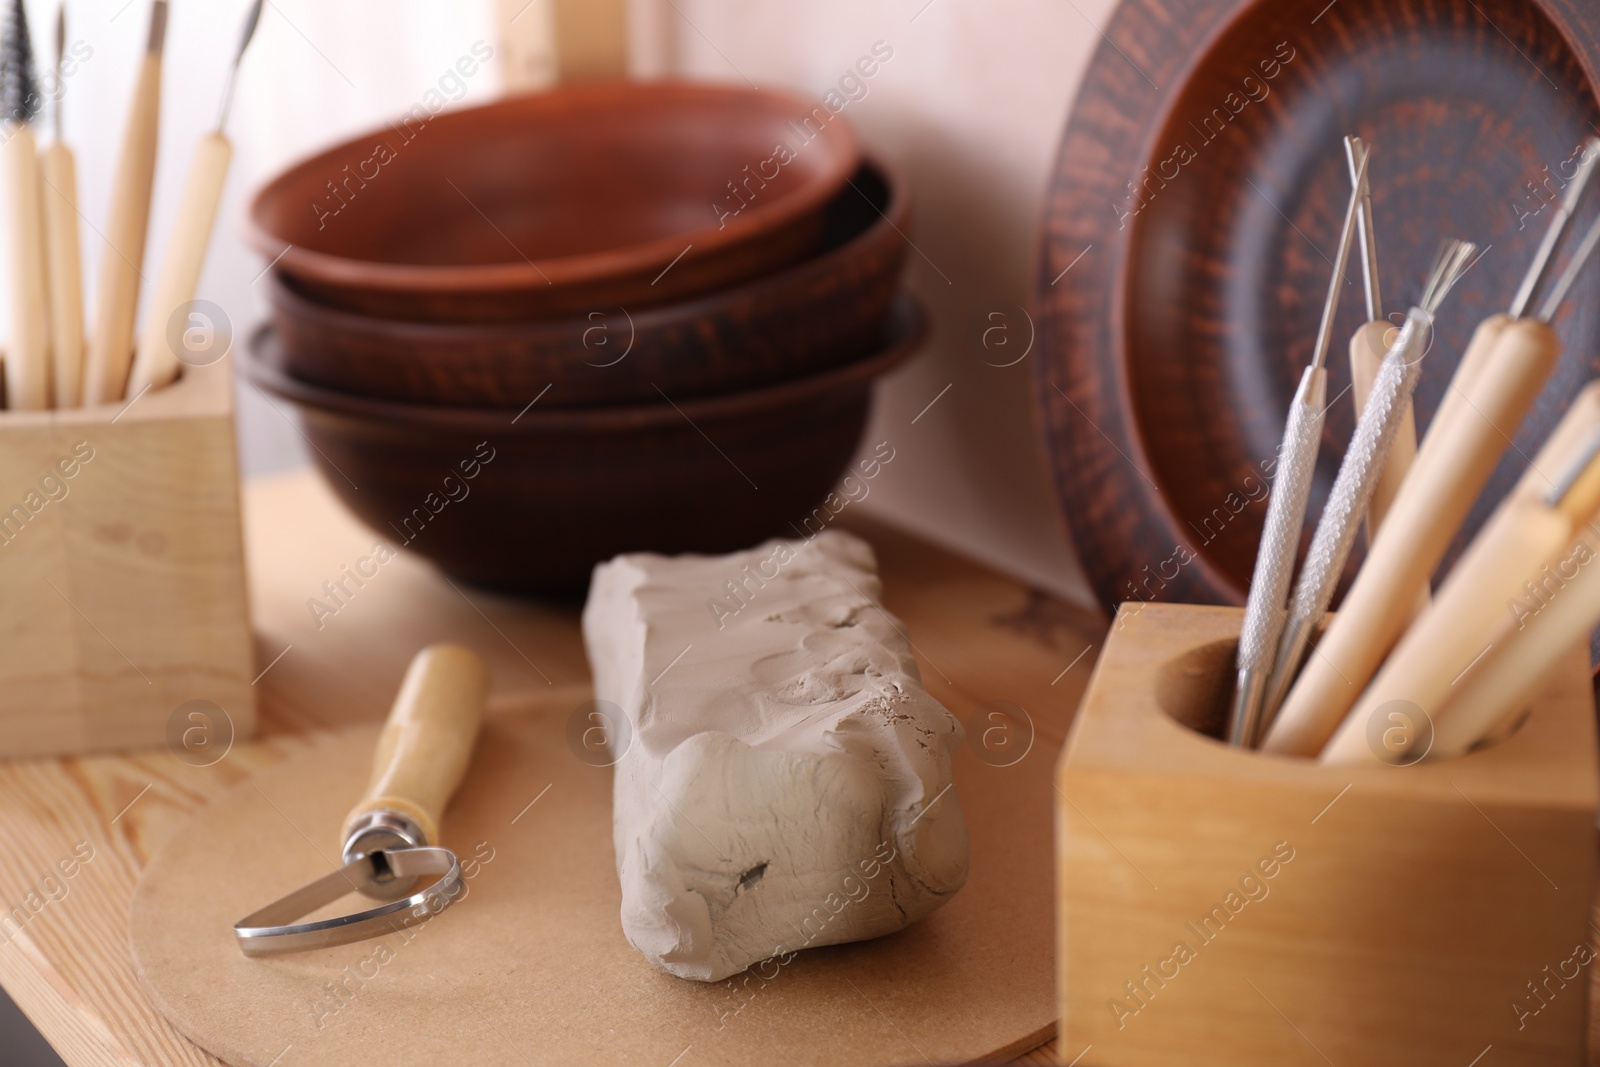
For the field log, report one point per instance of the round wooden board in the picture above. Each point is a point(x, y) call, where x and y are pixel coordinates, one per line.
point(531, 967)
point(1180, 302)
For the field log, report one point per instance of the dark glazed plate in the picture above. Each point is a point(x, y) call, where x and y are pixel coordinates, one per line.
point(1206, 213)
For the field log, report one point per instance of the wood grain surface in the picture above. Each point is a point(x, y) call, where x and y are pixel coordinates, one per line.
point(1191, 227)
point(981, 638)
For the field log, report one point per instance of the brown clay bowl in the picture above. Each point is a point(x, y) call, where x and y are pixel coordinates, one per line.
point(827, 311)
point(558, 202)
point(531, 501)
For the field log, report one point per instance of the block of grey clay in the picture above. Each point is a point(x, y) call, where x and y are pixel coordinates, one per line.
point(785, 782)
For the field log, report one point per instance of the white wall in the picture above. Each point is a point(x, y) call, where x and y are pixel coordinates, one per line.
point(971, 106)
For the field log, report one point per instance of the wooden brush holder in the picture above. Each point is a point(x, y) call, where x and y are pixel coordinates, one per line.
point(122, 565)
point(1226, 907)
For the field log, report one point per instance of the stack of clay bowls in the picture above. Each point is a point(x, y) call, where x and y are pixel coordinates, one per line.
point(522, 338)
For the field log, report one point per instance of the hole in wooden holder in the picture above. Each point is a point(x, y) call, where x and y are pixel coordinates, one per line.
point(1196, 688)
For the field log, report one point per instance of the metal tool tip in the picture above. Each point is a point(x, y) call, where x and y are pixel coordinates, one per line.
point(250, 21)
point(158, 28)
point(1449, 265)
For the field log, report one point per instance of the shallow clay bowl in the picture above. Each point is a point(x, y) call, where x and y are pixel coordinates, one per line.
point(554, 492)
point(827, 311)
point(558, 202)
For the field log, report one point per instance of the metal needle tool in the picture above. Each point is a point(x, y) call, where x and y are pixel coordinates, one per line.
point(1286, 509)
point(1502, 372)
point(1360, 470)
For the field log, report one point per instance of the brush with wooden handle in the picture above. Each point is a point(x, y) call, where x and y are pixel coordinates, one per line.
point(1491, 695)
point(156, 360)
point(27, 365)
point(1452, 467)
point(1286, 512)
point(1531, 531)
point(1359, 472)
point(117, 297)
point(59, 172)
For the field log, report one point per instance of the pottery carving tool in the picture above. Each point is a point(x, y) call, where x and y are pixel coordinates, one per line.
point(59, 171)
point(1286, 510)
point(1531, 531)
point(155, 363)
point(27, 366)
point(1382, 416)
point(1367, 348)
point(117, 297)
point(1496, 386)
point(390, 835)
point(1496, 689)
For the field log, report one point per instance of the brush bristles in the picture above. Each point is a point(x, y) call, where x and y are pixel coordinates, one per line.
point(19, 84)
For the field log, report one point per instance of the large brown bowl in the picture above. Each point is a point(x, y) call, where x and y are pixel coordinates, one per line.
point(531, 501)
point(558, 202)
point(827, 311)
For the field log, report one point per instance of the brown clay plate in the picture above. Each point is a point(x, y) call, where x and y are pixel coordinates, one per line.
point(1191, 225)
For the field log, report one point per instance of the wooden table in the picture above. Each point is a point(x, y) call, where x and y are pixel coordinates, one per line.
point(981, 637)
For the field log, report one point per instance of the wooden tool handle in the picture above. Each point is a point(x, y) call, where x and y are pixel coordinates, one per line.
point(155, 363)
point(1450, 470)
point(28, 351)
point(427, 742)
point(59, 170)
point(1463, 623)
point(1479, 351)
point(122, 255)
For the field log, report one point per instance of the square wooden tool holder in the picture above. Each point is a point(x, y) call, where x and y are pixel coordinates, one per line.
point(1350, 915)
point(122, 585)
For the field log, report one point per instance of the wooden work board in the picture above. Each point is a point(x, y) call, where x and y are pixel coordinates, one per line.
point(981, 638)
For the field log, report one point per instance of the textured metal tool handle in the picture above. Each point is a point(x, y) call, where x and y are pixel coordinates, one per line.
point(1363, 465)
point(1280, 538)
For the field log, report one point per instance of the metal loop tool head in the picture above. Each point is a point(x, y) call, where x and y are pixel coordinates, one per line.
point(275, 927)
point(421, 757)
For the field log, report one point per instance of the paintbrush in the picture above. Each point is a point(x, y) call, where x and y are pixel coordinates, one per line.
point(59, 171)
point(1528, 534)
point(156, 361)
point(1359, 472)
point(117, 297)
point(27, 365)
point(1497, 385)
point(1286, 510)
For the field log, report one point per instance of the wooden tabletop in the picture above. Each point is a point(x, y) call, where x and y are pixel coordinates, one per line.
point(980, 637)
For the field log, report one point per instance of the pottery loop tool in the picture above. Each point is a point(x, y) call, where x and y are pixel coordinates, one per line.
point(390, 835)
point(1503, 371)
point(1364, 461)
point(122, 255)
point(155, 363)
point(27, 364)
point(1286, 509)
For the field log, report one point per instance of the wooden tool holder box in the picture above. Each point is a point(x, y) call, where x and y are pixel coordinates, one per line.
point(1225, 907)
point(122, 571)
